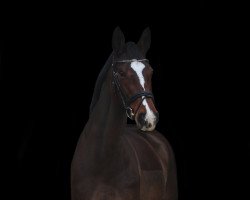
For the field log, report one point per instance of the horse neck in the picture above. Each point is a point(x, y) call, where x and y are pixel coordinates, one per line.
point(115, 113)
point(108, 119)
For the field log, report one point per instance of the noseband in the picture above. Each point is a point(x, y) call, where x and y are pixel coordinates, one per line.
point(127, 101)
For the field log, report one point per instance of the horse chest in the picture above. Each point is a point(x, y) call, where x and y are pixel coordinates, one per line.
point(146, 156)
point(152, 180)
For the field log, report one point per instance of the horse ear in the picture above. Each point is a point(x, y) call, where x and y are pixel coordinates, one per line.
point(145, 41)
point(118, 40)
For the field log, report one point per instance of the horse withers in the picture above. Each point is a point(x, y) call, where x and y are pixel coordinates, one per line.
point(114, 160)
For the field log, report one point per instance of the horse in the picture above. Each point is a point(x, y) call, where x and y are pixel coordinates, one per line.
point(114, 160)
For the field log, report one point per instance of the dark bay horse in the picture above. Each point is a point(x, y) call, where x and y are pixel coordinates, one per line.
point(114, 160)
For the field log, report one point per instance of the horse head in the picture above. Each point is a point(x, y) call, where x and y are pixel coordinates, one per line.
point(132, 75)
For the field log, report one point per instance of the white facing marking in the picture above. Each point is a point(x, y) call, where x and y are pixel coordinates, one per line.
point(150, 117)
point(138, 68)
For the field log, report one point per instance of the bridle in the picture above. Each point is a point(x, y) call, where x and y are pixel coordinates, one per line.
point(126, 101)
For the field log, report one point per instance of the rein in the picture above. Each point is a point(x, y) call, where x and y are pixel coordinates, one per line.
point(125, 100)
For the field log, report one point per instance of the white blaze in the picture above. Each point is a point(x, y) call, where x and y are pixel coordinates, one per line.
point(138, 68)
point(150, 117)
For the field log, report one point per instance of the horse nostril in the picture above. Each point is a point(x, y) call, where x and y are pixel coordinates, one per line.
point(141, 118)
point(149, 125)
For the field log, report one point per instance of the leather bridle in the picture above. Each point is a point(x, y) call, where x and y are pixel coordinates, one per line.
point(127, 101)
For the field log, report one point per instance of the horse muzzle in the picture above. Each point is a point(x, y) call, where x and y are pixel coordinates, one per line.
point(147, 122)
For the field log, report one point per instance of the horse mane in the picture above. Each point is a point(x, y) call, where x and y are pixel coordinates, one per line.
point(98, 85)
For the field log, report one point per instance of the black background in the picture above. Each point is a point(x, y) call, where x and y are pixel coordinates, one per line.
point(50, 60)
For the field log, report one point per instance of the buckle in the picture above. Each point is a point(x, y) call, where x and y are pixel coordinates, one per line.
point(130, 113)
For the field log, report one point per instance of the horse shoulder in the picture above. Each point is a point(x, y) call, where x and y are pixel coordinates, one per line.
point(166, 154)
